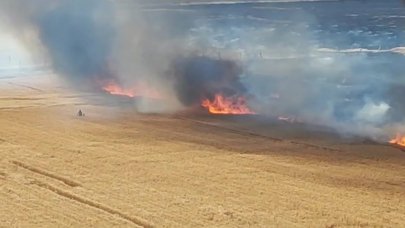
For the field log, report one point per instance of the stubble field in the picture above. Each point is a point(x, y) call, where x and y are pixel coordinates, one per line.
point(116, 167)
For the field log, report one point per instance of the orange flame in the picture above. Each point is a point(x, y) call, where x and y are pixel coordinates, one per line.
point(227, 105)
point(398, 140)
point(135, 91)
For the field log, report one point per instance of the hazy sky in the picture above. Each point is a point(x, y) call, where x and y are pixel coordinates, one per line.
point(12, 53)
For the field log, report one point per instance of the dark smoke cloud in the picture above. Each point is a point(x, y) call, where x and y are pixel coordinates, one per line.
point(200, 77)
point(78, 36)
point(93, 41)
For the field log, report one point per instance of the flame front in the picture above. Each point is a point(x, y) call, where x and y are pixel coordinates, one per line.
point(235, 105)
point(398, 140)
point(116, 90)
point(135, 91)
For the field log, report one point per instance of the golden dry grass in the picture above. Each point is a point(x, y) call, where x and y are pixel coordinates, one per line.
point(118, 168)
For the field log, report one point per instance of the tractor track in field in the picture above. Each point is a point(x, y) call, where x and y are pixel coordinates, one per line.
point(63, 193)
point(71, 196)
point(42, 172)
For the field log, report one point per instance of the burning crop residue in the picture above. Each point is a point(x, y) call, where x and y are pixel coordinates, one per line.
point(132, 92)
point(213, 84)
point(235, 105)
point(114, 89)
point(398, 140)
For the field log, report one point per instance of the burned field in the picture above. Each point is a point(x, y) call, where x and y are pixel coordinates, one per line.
point(119, 167)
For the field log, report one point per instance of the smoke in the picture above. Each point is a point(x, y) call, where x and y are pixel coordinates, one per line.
point(78, 36)
point(356, 94)
point(94, 42)
point(199, 78)
point(278, 65)
point(356, 91)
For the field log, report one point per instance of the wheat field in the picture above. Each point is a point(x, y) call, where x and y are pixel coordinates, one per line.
point(116, 167)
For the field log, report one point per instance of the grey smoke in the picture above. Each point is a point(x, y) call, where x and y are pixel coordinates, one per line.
point(78, 36)
point(200, 78)
point(278, 68)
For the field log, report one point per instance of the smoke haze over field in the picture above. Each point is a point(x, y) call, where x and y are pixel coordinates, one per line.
point(78, 36)
point(286, 58)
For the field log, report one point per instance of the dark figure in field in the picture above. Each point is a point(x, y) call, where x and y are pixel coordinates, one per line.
point(80, 113)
